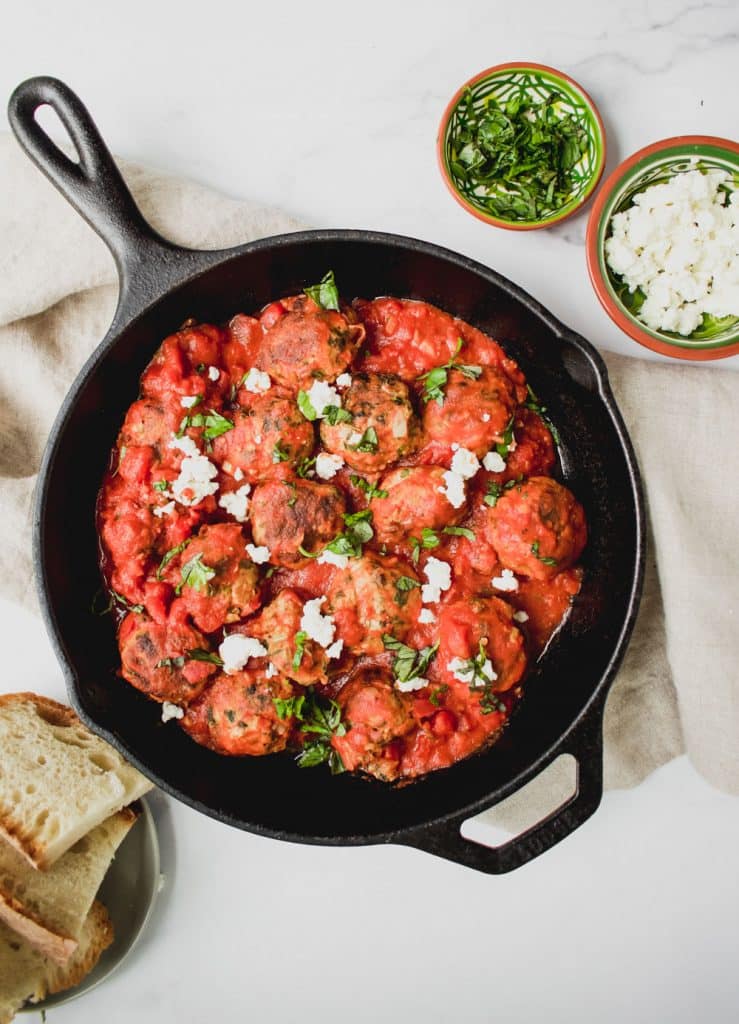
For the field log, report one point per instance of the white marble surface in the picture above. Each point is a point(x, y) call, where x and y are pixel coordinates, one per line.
point(330, 110)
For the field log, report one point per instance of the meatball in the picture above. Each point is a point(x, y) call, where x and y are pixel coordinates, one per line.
point(475, 412)
point(537, 528)
point(415, 501)
point(289, 514)
point(237, 714)
point(277, 627)
point(179, 363)
point(374, 595)
point(466, 625)
point(155, 658)
point(382, 422)
point(533, 454)
point(376, 719)
point(268, 429)
point(216, 580)
point(128, 531)
point(309, 343)
point(150, 422)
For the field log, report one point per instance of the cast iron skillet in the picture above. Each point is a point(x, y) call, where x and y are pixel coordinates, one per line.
point(160, 286)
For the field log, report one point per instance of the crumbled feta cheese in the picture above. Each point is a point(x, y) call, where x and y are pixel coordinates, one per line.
point(494, 463)
point(465, 463)
point(334, 651)
point(329, 558)
point(327, 465)
point(236, 649)
point(520, 616)
point(170, 711)
point(486, 417)
point(197, 474)
point(322, 395)
point(426, 616)
point(257, 381)
point(238, 474)
point(188, 401)
point(353, 439)
point(465, 672)
point(344, 380)
point(455, 447)
point(214, 373)
point(236, 503)
point(319, 627)
point(453, 489)
point(227, 467)
point(259, 555)
point(513, 443)
point(506, 581)
point(186, 445)
point(271, 671)
point(409, 685)
point(678, 243)
point(164, 510)
point(439, 576)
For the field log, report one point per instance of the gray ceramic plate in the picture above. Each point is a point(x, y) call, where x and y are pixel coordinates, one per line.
point(128, 892)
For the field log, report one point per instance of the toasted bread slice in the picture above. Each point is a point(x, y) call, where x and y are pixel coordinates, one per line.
point(26, 976)
point(48, 908)
point(57, 780)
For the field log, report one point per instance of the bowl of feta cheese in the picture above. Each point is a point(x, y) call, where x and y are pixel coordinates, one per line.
point(663, 247)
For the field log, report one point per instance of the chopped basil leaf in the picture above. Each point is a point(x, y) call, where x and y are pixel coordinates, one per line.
point(160, 485)
point(195, 574)
point(535, 405)
point(215, 425)
point(371, 490)
point(308, 554)
point(437, 694)
point(279, 454)
point(300, 637)
point(358, 532)
point(289, 707)
point(305, 466)
point(199, 368)
point(542, 558)
point(113, 599)
point(177, 662)
point(294, 495)
point(172, 553)
point(493, 492)
point(434, 381)
point(459, 531)
point(325, 294)
point(429, 539)
point(335, 414)
point(503, 446)
point(199, 654)
point(408, 662)
point(403, 586)
point(306, 406)
point(368, 442)
point(320, 718)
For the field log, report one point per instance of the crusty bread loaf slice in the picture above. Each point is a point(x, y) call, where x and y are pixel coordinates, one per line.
point(48, 908)
point(26, 976)
point(57, 780)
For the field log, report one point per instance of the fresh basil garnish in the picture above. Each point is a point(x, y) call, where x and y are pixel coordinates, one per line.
point(325, 294)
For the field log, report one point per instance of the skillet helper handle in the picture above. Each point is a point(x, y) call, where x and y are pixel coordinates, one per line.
point(94, 186)
point(585, 744)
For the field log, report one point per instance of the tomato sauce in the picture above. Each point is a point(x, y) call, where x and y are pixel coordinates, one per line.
point(452, 550)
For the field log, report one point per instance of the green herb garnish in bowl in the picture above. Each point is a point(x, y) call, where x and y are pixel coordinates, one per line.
point(521, 146)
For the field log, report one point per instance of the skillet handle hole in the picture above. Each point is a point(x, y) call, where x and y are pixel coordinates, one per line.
point(51, 124)
point(551, 790)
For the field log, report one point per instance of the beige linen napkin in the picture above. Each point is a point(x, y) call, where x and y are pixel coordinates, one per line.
point(678, 688)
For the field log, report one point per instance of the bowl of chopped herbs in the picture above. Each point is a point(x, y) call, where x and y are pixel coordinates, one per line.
point(521, 146)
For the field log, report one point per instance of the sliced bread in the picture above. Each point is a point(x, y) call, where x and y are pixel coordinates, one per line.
point(26, 976)
point(57, 780)
point(48, 908)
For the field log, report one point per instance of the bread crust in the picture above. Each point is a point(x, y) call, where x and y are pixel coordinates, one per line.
point(56, 947)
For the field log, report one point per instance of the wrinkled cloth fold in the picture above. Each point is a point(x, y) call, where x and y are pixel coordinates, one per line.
point(678, 687)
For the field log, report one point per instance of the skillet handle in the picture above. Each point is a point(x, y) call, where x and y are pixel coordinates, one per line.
point(585, 744)
point(94, 186)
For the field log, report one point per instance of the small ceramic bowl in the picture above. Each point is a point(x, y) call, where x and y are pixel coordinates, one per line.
point(535, 82)
point(651, 165)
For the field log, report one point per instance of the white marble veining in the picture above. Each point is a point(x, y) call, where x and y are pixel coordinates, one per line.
point(330, 110)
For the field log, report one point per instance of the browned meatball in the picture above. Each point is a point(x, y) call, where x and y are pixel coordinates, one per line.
point(374, 595)
point(277, 626)
point(415, 500)
point(289, 514)
point(155, 658)
point(268, 429)
point(376, 717)
point(383, 426)
point(537, 528)
point(237, 714)
point(474, 413)
point(308, 344)
point(150, 422)
point(216, 580)
point(464, 625)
